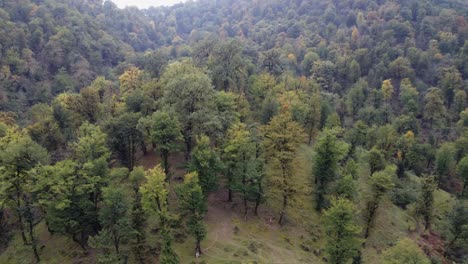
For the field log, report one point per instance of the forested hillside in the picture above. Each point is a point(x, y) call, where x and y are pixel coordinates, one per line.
point(234, 131)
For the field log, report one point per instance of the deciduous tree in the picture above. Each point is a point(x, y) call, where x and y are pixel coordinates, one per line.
point(434, 109)
point(193, 204)
point(426, 201)
point(115, 221)
point(165, 134)
point(380, 183)
point(343, 241)
point(282, 139)
point(405, 251)
point(462, 170)
point(328, 152)
point(188, 91)
point(206, 162)
point(18, 155)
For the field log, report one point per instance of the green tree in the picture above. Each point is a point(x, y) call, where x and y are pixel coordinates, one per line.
point(405, 251)
point(353, 72)
point(130, 81)
point(387, 90)
point(409, 96)
point(376, 160)
point(270, 108)
point(346, 187)
point(260, 87)
point(237, 155)
point(460, 101)
point(193, 204)
point(458, 227)
point(241, 163)
point(271, 62)
point(89, 104)
point(154, 198)
point(189, 93)
point(401, 68)
point(115, 222)
point(450, 83)
point(343, 241)
point(313, 114)
point(462, 170)
point(138, 216)
point(168, 255)
point(426, 202)
point(355, 98)
point(445, 164)
point(91, 153)
point(45, 129)
point(282, 139)
point(227, 66)
point(434, 109)
point(328, 152)
point(66, 192)
point(165, 133)
point(230, 108)
point(206, 162)
point(256, 188)
point(125, 138)
point(155, 194)
point(31, 204)
point(308, 62)
point(323, 72)
point(380, 183)
point(357, 136)
point(404, 144)
point(18, 155)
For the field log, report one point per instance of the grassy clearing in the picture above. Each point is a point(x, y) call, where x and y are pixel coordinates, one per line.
point(235, 240)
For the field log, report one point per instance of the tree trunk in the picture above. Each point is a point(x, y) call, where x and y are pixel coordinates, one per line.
point(2, 227)
point(372, 210)
point(18, 210)
point(79, 241)
point(285, 197)
point(244, 185)
point(451, 243)
point(257, 203)
point(83, 241)
point(258, 199)
point(133, 152)
point(143, 147)
point(283, 210)
point(33, 241)
point(198, 251)
point(319, 194)
point(427, 222)
point(310, 136)
point(188, 148)
point(229, 176)
point(165, 158)
point(30, 219)
point(188, 141)
point(226, 85)
point(245, 207)
point(116, 246)
point(23, 234)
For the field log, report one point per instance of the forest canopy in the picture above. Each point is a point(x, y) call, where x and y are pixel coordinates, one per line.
point(293, 131)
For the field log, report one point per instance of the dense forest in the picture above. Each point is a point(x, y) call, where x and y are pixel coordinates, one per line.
point(234, 131)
